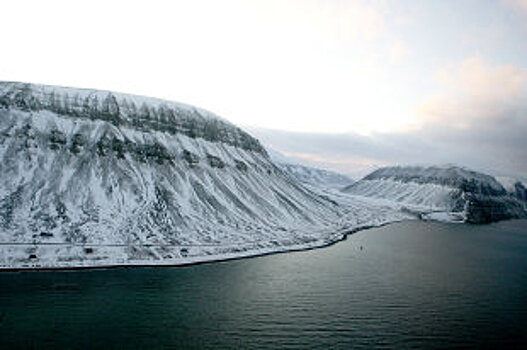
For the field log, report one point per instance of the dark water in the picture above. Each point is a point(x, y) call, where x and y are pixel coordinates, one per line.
point(413, 284)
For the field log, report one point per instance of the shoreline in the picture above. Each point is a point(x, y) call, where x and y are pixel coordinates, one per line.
point(199, 260)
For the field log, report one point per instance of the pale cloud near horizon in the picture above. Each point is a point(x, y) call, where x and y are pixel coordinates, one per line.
point(477, 117)
point(474, 90)
point(477, 78)
point(521, 4)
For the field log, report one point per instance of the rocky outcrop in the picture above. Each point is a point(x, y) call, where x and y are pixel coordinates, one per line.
point(520, 192)
point(486, 209)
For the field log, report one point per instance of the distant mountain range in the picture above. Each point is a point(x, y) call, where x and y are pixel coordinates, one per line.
point(316, 177)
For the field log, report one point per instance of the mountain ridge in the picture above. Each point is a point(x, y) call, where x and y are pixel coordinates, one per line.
point(125, 109)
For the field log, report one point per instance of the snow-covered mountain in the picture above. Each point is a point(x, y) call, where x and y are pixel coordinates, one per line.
point(100, 178)
point(449, 192)
point(315, 177)
point(312, 177)
point(519, 191)
point(514, 187)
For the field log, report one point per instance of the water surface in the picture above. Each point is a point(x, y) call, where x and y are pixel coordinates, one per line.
point(411, 284)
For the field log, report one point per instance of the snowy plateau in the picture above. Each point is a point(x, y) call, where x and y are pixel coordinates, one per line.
point(95, 178)
point(446, 193)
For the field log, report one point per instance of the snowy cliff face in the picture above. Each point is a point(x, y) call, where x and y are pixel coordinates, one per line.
point(83, 171)
point(467, 195)
point(520, 191)
point(315, 177)
point(514, 187)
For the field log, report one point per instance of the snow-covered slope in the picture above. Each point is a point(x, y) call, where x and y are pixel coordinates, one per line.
point(324, 179)
point(100, 178)
point(441, 192)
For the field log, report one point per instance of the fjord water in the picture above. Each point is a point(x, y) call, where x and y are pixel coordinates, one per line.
point(410, 284)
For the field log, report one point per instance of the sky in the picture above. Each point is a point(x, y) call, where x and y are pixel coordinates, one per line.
point(343, 85)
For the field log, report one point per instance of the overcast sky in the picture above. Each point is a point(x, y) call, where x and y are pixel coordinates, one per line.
point(346, 85)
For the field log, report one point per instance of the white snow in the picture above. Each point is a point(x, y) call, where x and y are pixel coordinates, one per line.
point(430, 197)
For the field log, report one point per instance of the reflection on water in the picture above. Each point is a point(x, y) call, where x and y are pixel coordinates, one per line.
point(408, 284)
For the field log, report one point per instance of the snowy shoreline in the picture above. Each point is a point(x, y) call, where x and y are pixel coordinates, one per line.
point(195, 260)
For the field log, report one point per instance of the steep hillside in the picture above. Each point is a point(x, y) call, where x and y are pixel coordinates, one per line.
point(93, 177)
point(97, 178)
point(450, 193)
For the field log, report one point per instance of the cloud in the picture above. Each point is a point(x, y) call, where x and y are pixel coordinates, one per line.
point(497, 147)
point(332, 21)
point(474, 90)
point(404, 20)
point(350, 153)
point(520, 4)
point(476, 78)
point(476, 118)
point(398, 51)
point(360, 19)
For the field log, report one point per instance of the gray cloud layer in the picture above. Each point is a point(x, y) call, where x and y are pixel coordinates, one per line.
point(497, 146)
point(477, 118)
